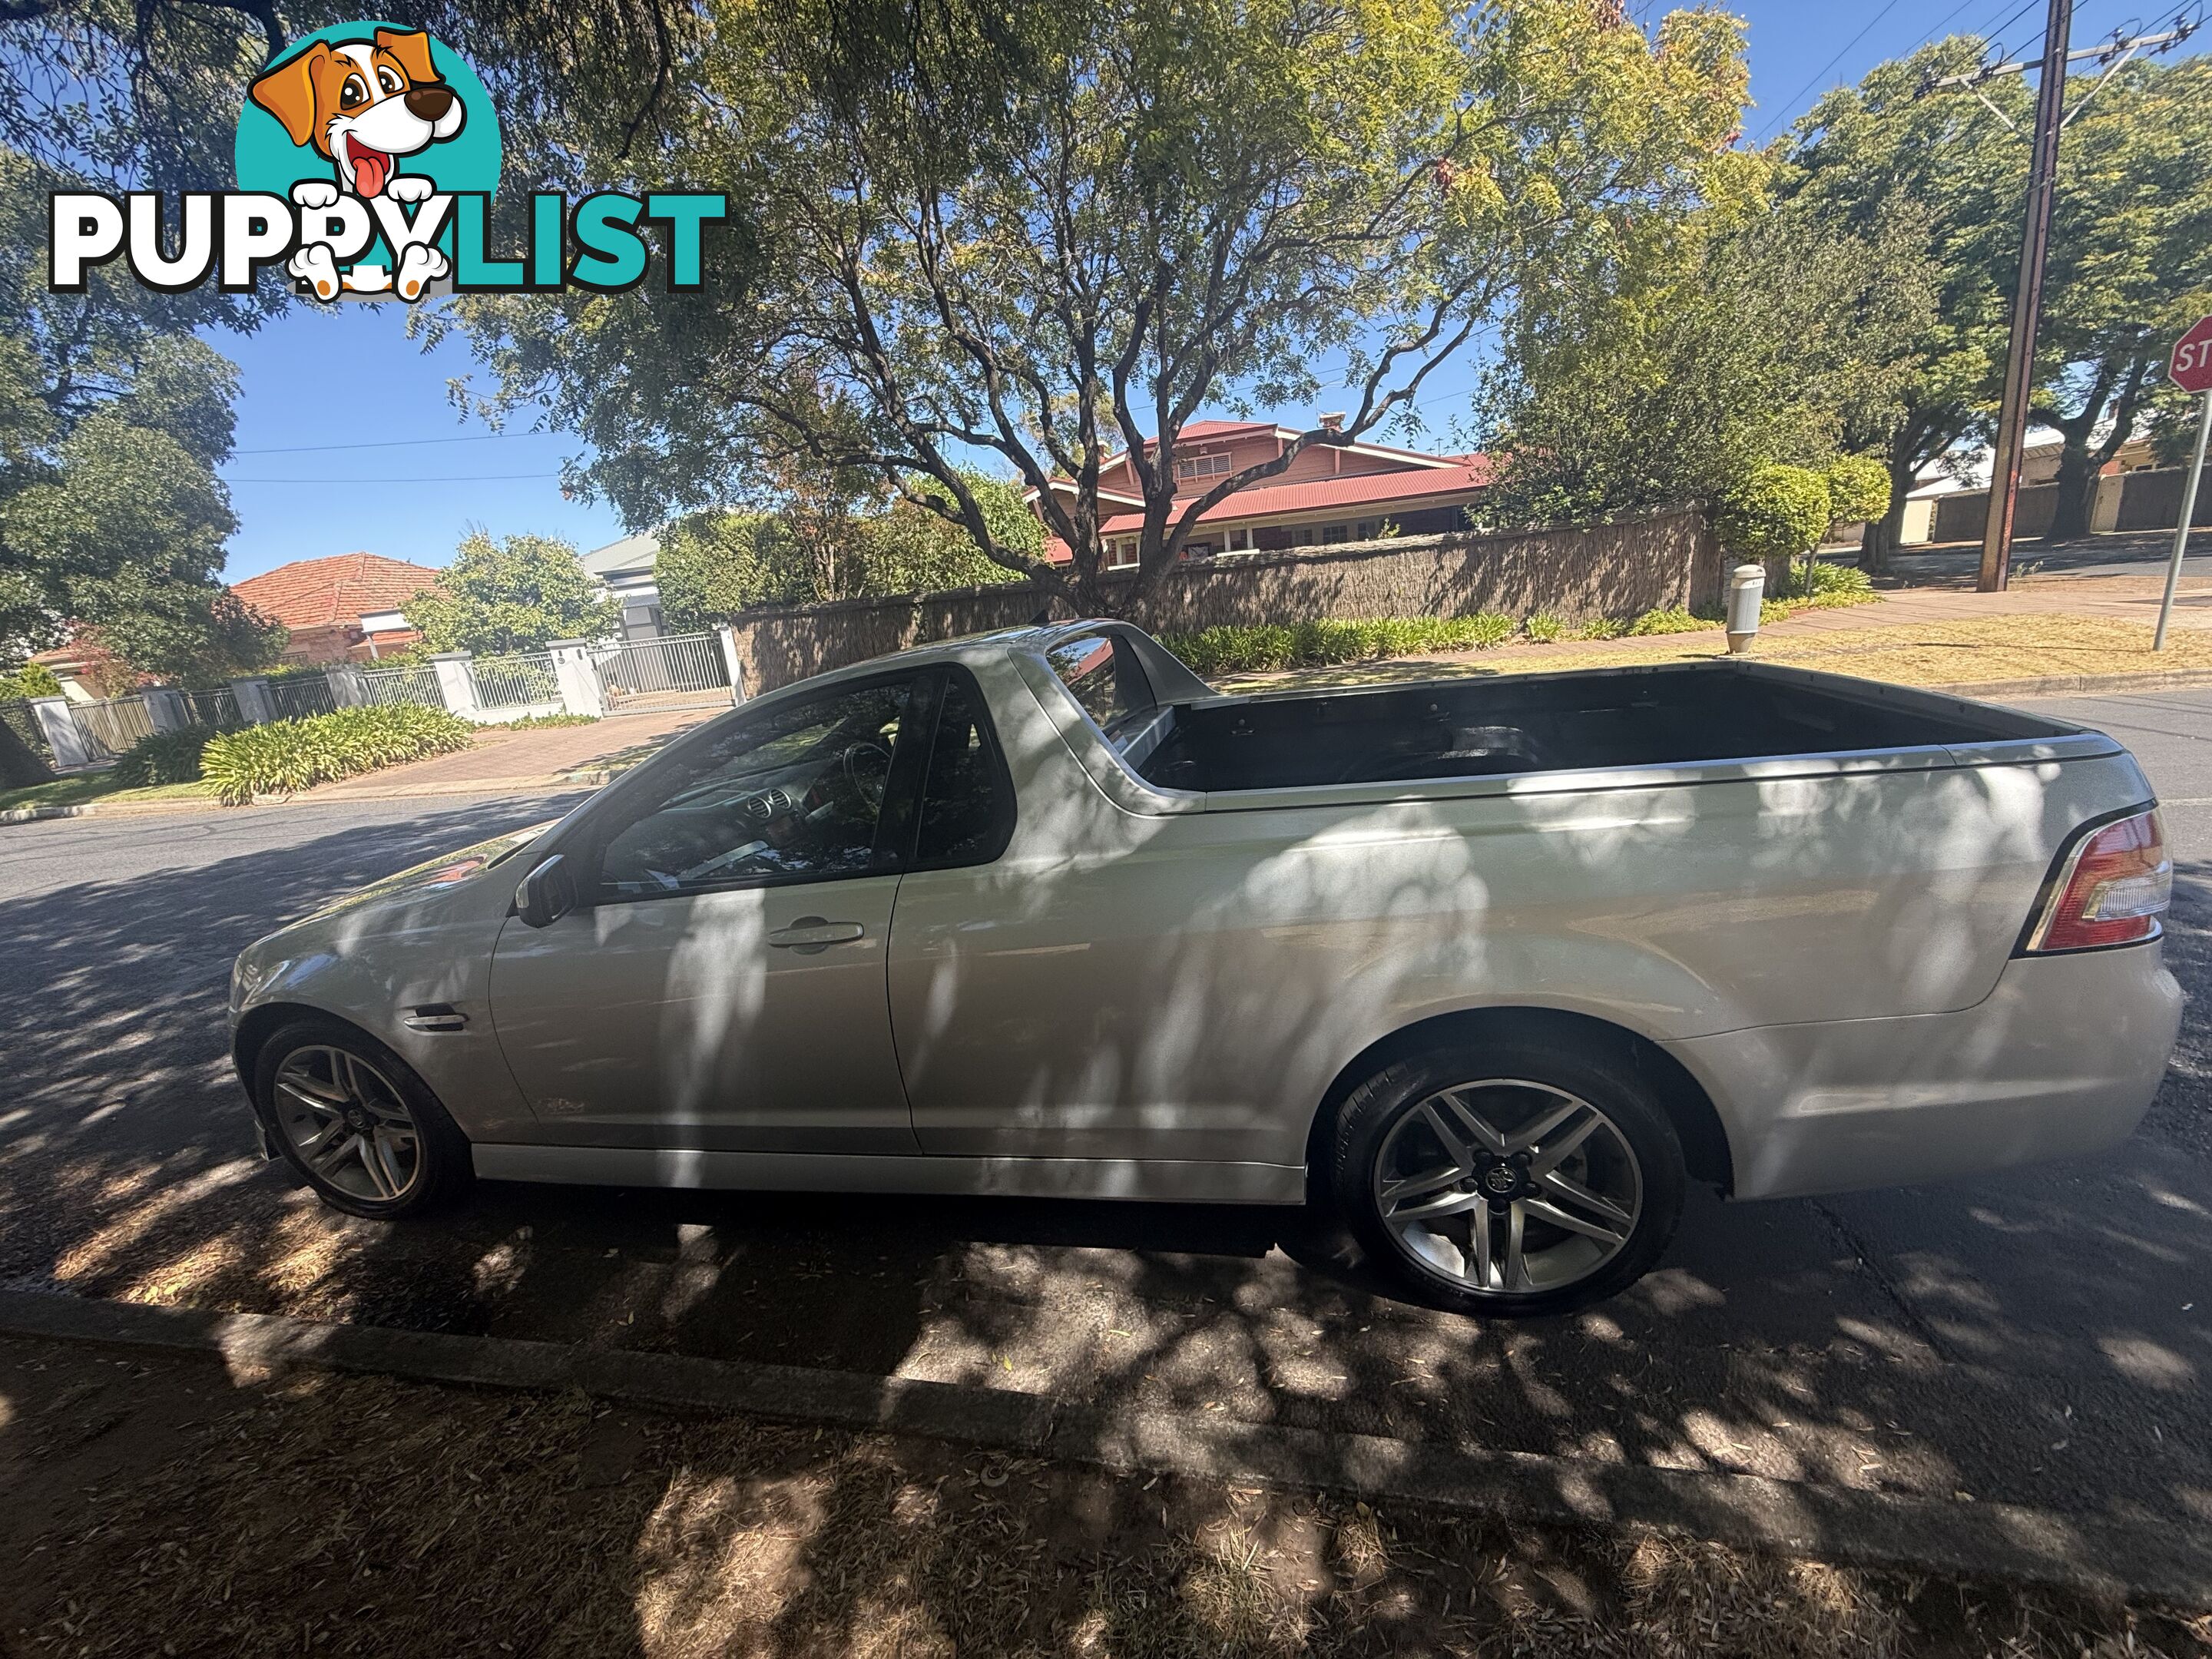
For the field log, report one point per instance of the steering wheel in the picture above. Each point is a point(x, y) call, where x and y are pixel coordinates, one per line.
point(868, 769)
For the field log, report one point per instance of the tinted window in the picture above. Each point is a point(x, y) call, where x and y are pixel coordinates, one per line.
point(1105, 679)
point(794, 794)
point(967, 803)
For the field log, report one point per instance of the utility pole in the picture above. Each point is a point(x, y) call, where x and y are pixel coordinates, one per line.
point(2027, 305)
point(2051, 118)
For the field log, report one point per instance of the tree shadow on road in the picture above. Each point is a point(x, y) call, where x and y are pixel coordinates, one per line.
point(1775, 1338)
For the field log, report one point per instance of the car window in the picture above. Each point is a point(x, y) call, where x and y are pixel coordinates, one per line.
point(967, 801)
point(794, 794)
point(1104, 677)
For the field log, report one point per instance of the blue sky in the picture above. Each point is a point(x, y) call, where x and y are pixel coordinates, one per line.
point(383, 462)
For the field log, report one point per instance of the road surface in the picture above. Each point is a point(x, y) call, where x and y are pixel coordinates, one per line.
point(2043, 1338)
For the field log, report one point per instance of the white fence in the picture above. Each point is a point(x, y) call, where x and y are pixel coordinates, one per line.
point(381, 687)
point(300, 697)
point(632, 676)
point(672, 672)
point(506, 683)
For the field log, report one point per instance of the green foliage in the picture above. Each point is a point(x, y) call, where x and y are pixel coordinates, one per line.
point(32, 679)
point(511, 595)
point(164, 757)
point(1858, 489)
point(1543, 628)
point(1748, 338)
point(289, 755)
point(538, 722)
point(113, 418)
point(1604, 628)
point(1672, 619)
point(714, 564)
point(1035, 232)
point(1830, 585)
point(1776, 512)
point(1320, 644)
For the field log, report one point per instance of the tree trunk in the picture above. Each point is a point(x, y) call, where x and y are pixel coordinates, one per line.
point(20, 765)
point(2077, 489)
point(1881, 536)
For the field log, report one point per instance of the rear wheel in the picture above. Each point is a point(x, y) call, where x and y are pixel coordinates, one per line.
point(1513, 1179)
point(356, 1122)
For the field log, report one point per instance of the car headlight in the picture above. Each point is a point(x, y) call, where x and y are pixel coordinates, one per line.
point(245, 977)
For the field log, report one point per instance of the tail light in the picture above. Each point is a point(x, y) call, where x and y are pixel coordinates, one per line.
point(2112, 888)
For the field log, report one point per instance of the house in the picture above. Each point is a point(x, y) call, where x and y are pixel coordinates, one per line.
point(1351, 492)
point(347, 608)
point(625, 570)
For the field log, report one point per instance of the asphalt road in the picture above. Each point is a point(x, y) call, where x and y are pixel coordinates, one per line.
point(2130, 553)
point(2043, 1338)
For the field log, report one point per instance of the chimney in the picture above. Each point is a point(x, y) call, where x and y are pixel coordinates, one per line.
point(1333, 422)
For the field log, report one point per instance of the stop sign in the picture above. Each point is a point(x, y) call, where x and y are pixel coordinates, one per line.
point(2191, 368)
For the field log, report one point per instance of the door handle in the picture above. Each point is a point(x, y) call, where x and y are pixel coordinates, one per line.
point(812, 933)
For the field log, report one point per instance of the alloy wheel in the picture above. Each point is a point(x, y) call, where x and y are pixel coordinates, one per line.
point(347, 1124)
point(1508, 1187)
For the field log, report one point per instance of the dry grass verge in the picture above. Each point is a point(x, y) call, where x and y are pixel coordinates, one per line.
point(1982, 651)
point(160, 1506)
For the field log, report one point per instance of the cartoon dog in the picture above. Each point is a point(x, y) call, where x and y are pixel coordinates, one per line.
point(362, 105)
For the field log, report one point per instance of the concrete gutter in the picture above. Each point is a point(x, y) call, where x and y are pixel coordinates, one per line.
point(2145, 1560)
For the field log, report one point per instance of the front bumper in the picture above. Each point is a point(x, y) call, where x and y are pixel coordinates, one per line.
point(2062, 1058)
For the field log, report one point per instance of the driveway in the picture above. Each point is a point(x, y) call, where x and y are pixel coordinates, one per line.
point(2043, 1338)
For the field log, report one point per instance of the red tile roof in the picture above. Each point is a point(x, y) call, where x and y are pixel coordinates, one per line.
point(319, 592)
point(1359, 489)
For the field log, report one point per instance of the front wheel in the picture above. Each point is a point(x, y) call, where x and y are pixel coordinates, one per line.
point(1511, 1179)
point(356, 1122)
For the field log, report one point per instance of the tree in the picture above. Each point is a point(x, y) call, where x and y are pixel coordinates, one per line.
point(515, 595)
point(1880, 149)
point(2131, 268)
point(1749, 339)
point(113, 420)
point(1774, 514)
point(714, 564)
point(1053, 235)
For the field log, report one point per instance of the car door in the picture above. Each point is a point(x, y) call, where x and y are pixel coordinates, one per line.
point(720, 983)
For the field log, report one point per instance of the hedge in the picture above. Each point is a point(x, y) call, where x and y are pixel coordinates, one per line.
point(164, 757)
point(1321, 644)
point(287, 754)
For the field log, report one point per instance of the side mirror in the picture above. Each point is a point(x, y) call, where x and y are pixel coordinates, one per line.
point(547, 894)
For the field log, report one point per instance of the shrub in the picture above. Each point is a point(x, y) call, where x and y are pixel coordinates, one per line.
point(1829, 585)
point(1543, 628)
point(1320, 644)
point(32, 679)
point(1858, 489)
point(1674, 619)
point(287, 754)
point(1776, 513)
point(535, 722)
point(1603, 629)
point(164, 757)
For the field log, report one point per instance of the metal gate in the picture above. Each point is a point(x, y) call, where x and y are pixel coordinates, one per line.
point(678, 671)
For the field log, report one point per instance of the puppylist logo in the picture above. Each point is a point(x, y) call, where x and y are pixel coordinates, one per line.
point(367, 157)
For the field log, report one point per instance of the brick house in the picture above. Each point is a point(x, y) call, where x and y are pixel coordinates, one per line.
point(1341, 493)
point(341, 609)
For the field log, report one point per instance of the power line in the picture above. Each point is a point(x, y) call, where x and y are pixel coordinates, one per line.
point(471, 477)
point(392, 443)
point(1790, 103)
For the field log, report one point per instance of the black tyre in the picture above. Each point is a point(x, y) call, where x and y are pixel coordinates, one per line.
point(356, 1122)
point(1514, 1178)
